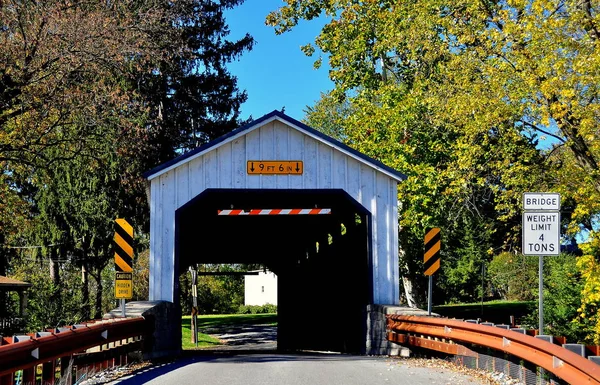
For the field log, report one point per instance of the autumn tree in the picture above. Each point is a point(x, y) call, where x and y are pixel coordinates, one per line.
point(449, 184)
point(422, 101)
point(528, 66)
point(53, 52)
point(92, 94)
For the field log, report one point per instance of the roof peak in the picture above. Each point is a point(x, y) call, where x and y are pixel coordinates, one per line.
point(275, 114)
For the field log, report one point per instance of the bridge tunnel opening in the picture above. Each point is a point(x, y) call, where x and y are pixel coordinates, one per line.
point(322, 260)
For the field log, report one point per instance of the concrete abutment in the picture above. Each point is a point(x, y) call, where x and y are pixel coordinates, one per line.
point(165, 340)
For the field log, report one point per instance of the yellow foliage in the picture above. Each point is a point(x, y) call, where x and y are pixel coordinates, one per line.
point(590, 296)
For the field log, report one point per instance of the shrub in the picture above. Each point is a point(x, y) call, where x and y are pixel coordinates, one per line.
point(257, 309)
point(514, 276)
point(562, 297)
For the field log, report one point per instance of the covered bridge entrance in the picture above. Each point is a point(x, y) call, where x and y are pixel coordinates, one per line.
point(319, 214)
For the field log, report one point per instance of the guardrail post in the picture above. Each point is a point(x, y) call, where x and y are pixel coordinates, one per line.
point(594, 359)
point(48, 373)
point(542, 373)
point(6, 379)
point(29, 375)
point(575, 348)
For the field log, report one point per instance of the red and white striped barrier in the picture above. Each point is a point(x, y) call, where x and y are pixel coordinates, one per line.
point(276, 212)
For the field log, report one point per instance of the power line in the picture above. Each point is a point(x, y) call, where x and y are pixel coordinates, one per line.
point(36, 247)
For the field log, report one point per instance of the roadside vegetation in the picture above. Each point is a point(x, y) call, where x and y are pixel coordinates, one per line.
point(92, 95)
point(496, 311)
point(475, 102)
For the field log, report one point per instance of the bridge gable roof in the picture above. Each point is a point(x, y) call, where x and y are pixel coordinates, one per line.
point(291, 122)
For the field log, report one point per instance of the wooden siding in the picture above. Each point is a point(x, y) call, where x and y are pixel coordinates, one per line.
point(325, 167)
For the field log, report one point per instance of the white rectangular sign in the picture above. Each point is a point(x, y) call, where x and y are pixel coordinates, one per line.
point(541, 233)
point(541, 201)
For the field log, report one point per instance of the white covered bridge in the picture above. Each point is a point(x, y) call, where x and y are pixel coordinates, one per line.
point(319, 214)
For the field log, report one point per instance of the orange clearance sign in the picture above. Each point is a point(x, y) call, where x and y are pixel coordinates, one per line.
point(275, 167)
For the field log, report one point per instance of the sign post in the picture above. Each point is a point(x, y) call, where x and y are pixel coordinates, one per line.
point(541, 234)
point(431, 259)
point(123, 246)
point(194, 320)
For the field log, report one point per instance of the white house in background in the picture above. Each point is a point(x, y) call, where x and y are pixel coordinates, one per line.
point(260, 289)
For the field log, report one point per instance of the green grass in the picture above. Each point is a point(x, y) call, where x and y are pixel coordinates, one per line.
point(494, 311)
point(204, 321)
point(204, 340)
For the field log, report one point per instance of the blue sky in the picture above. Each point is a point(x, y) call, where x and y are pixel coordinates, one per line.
point(275, 73)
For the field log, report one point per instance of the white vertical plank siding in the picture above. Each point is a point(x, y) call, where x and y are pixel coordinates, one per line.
point(383, 251)
point(353, 185)
point(167, 278)
point(267, 152)
point(253, 153)
point(369, 201)
point(325, 159)
point(225, 166)
point(281, 152)
point(311, 170)
point(154, 237)
point(182, 184)
point(211, 177)
point(156, 240)
point(394, 228)
point(196, 168)
point(238, 152)
point(296, 146)
point(338, 165)
point(325, 167)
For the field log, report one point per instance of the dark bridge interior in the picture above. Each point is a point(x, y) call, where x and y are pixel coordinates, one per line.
point(322, 262)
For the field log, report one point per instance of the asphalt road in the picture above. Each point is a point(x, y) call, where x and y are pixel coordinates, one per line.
point(295, 369)
point(244, 337)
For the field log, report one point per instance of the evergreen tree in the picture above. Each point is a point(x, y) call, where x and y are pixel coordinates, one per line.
point(105, 92)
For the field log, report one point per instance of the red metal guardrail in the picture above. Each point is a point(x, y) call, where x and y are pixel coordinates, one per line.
point(565, 364)
point(27, 351)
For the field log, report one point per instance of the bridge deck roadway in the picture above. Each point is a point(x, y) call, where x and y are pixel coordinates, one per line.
point(296, 369)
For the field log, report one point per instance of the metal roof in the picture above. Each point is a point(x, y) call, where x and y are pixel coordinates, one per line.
point(274, 115)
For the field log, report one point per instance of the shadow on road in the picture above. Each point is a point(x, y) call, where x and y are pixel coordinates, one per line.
point(244, 337)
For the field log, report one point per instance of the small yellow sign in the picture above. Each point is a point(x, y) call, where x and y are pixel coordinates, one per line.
point(275, 167)
point(123, 285)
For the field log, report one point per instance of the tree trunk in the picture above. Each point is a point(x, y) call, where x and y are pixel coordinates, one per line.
point(54, 267)
point(580, 148)
point(98, 308)
point(85, 293)
point(55, 297)
point(409, 292)
point(407, 268)
point(3, 266)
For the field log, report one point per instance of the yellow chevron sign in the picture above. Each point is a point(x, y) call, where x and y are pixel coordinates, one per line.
point(433, 244)
point(123, 246)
